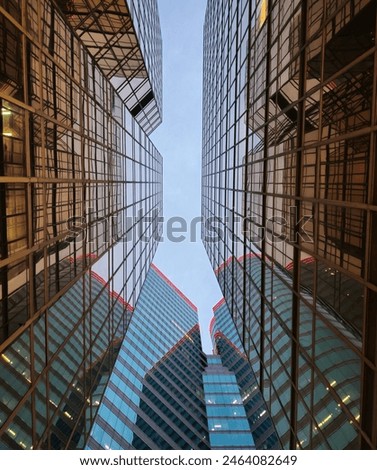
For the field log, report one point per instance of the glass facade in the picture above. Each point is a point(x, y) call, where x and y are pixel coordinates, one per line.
point(227, 422)
point(289, 139)
point(228, 346)
point(124, 39)
point(80, 192)
point(155, 396)
point(66, 395)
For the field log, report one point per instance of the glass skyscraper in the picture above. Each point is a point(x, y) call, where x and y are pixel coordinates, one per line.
point(80, 193)
point(155, 396)
point(165, 393)
point(228, 346)
point(289, 137)
point(227, 422)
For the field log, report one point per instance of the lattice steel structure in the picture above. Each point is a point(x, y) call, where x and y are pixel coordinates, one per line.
point(80, 191)
point(289, 179)
point(124, 39)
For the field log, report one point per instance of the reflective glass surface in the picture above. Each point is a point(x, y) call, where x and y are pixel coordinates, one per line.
point(80, 187)
point(155, 397)
point(288, 179)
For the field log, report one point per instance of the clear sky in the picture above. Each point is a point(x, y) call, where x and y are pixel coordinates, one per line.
point(179, 141)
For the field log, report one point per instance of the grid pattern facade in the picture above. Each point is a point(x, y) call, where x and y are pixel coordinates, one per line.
point(228, 425)
point(80, 183)
point(67, 394)
point(124, 39)
point(155, 397)
point(289, 179)
point(330, 403)
point(228, 346)
point(146, 22)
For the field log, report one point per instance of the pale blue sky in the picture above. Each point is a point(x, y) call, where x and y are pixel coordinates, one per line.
point(179, 141)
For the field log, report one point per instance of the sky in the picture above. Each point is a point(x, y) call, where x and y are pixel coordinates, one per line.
point(178, 139)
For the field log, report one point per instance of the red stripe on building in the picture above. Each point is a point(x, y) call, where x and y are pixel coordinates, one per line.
point(218, 305)
point(218, 335)
point(211, 325)
point(89, 255)
point(240, 259)
point(174, 287)
point(308, 260)
point(248, 256)
point(223, 265)
point(112, 293)
point(100, 279)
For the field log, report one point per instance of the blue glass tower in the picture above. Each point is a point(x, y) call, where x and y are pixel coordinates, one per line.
point(227, 422)
point(155, 397)
point(227, 344)
point(165, 393)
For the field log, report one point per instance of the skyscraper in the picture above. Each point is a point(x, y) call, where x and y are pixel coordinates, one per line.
point(228, 346)
point(80, 193)
point(227, 422)
point(155, 396)
point(165, 393)
point(289, 133)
